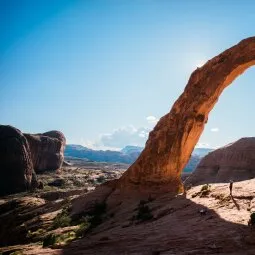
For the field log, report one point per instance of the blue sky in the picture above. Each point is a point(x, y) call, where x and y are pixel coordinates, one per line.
point(103, 72)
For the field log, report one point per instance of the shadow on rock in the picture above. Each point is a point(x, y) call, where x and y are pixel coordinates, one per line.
point(176, 226)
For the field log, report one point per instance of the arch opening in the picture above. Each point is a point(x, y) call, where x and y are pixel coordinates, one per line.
point(173, 139)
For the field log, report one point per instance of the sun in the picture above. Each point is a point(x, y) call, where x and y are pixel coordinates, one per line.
point(200, 63)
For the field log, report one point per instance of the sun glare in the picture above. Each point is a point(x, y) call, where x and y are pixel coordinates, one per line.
point(200, 63)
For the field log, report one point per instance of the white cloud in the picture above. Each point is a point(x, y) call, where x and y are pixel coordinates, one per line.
point(97, 145)
point(152, 119)
point(202, 145)
point(215, 129)
point(123, 136)
point(144, 134)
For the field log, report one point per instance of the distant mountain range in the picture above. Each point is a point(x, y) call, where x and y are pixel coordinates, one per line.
point(127, 155)
point(201, 152)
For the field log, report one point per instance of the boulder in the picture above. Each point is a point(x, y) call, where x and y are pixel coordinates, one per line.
point(47, 150)
point(16, 166)
point(234, 161)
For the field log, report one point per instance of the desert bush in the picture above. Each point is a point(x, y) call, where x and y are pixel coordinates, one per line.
point(15, 253)
point(65, 238)
point(205, 190)
point(96, 214)
point(36, 234)
point(49, 240)
point(101, 179)
point(144, 212)
point(78, 183)
point(62, 220)
point(62, 238)
point(205, 187)
point(92, 181)
point(83, 227)
point(90, 219)
point(252, 219)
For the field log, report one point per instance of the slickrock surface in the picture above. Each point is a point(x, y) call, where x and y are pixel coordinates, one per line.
point(235, 162)
point(28, 217)
point(47, 150)
point(177, 226)
point(170, 144)
point(16, 166)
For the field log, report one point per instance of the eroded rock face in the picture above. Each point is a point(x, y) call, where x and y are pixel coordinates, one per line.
point(16, 165)
point(22, 154)
point(47, 150)
point(235, 162)
point(170, 144)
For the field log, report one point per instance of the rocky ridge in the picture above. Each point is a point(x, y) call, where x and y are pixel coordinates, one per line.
point(235, 161)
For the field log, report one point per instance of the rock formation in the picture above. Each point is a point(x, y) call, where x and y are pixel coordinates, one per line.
point(21, 154)
point(235, 162)
point(170, 144)
point(16, 165)
point(47, 150)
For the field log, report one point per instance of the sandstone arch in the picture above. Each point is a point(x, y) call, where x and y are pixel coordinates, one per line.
point(172, 141)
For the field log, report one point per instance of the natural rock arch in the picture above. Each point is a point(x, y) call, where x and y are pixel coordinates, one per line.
point(173, 139)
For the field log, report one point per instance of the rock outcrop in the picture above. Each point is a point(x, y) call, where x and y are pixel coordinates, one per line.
point(235, 162)
point(22, 154)
point(172, 141)
point(16, 165)
point(47, 150)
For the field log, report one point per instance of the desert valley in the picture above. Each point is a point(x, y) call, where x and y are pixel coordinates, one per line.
point(126, 127)
point(55, 203)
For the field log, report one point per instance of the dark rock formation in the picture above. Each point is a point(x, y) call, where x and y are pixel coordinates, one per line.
point(235, 162)
point(172, 141)
point(16, 165)
point(21, 154)
point(47, 150)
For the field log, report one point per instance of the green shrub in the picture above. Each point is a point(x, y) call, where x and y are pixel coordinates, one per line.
point(83, 227)
point(205, 190)
point(62, 238)
point(32, 235)
point(49, 240)
point(252, 219)
point(62, 220)
point(90, 219)
point(95, 218)
point(65, 238)
point(205, 187)
point(101, 179)
point(15, 253)
point(144, 212)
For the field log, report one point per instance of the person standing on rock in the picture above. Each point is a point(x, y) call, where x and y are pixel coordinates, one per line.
point(230, 187)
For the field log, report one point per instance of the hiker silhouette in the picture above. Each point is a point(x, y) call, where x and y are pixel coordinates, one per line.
point(231, 186)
